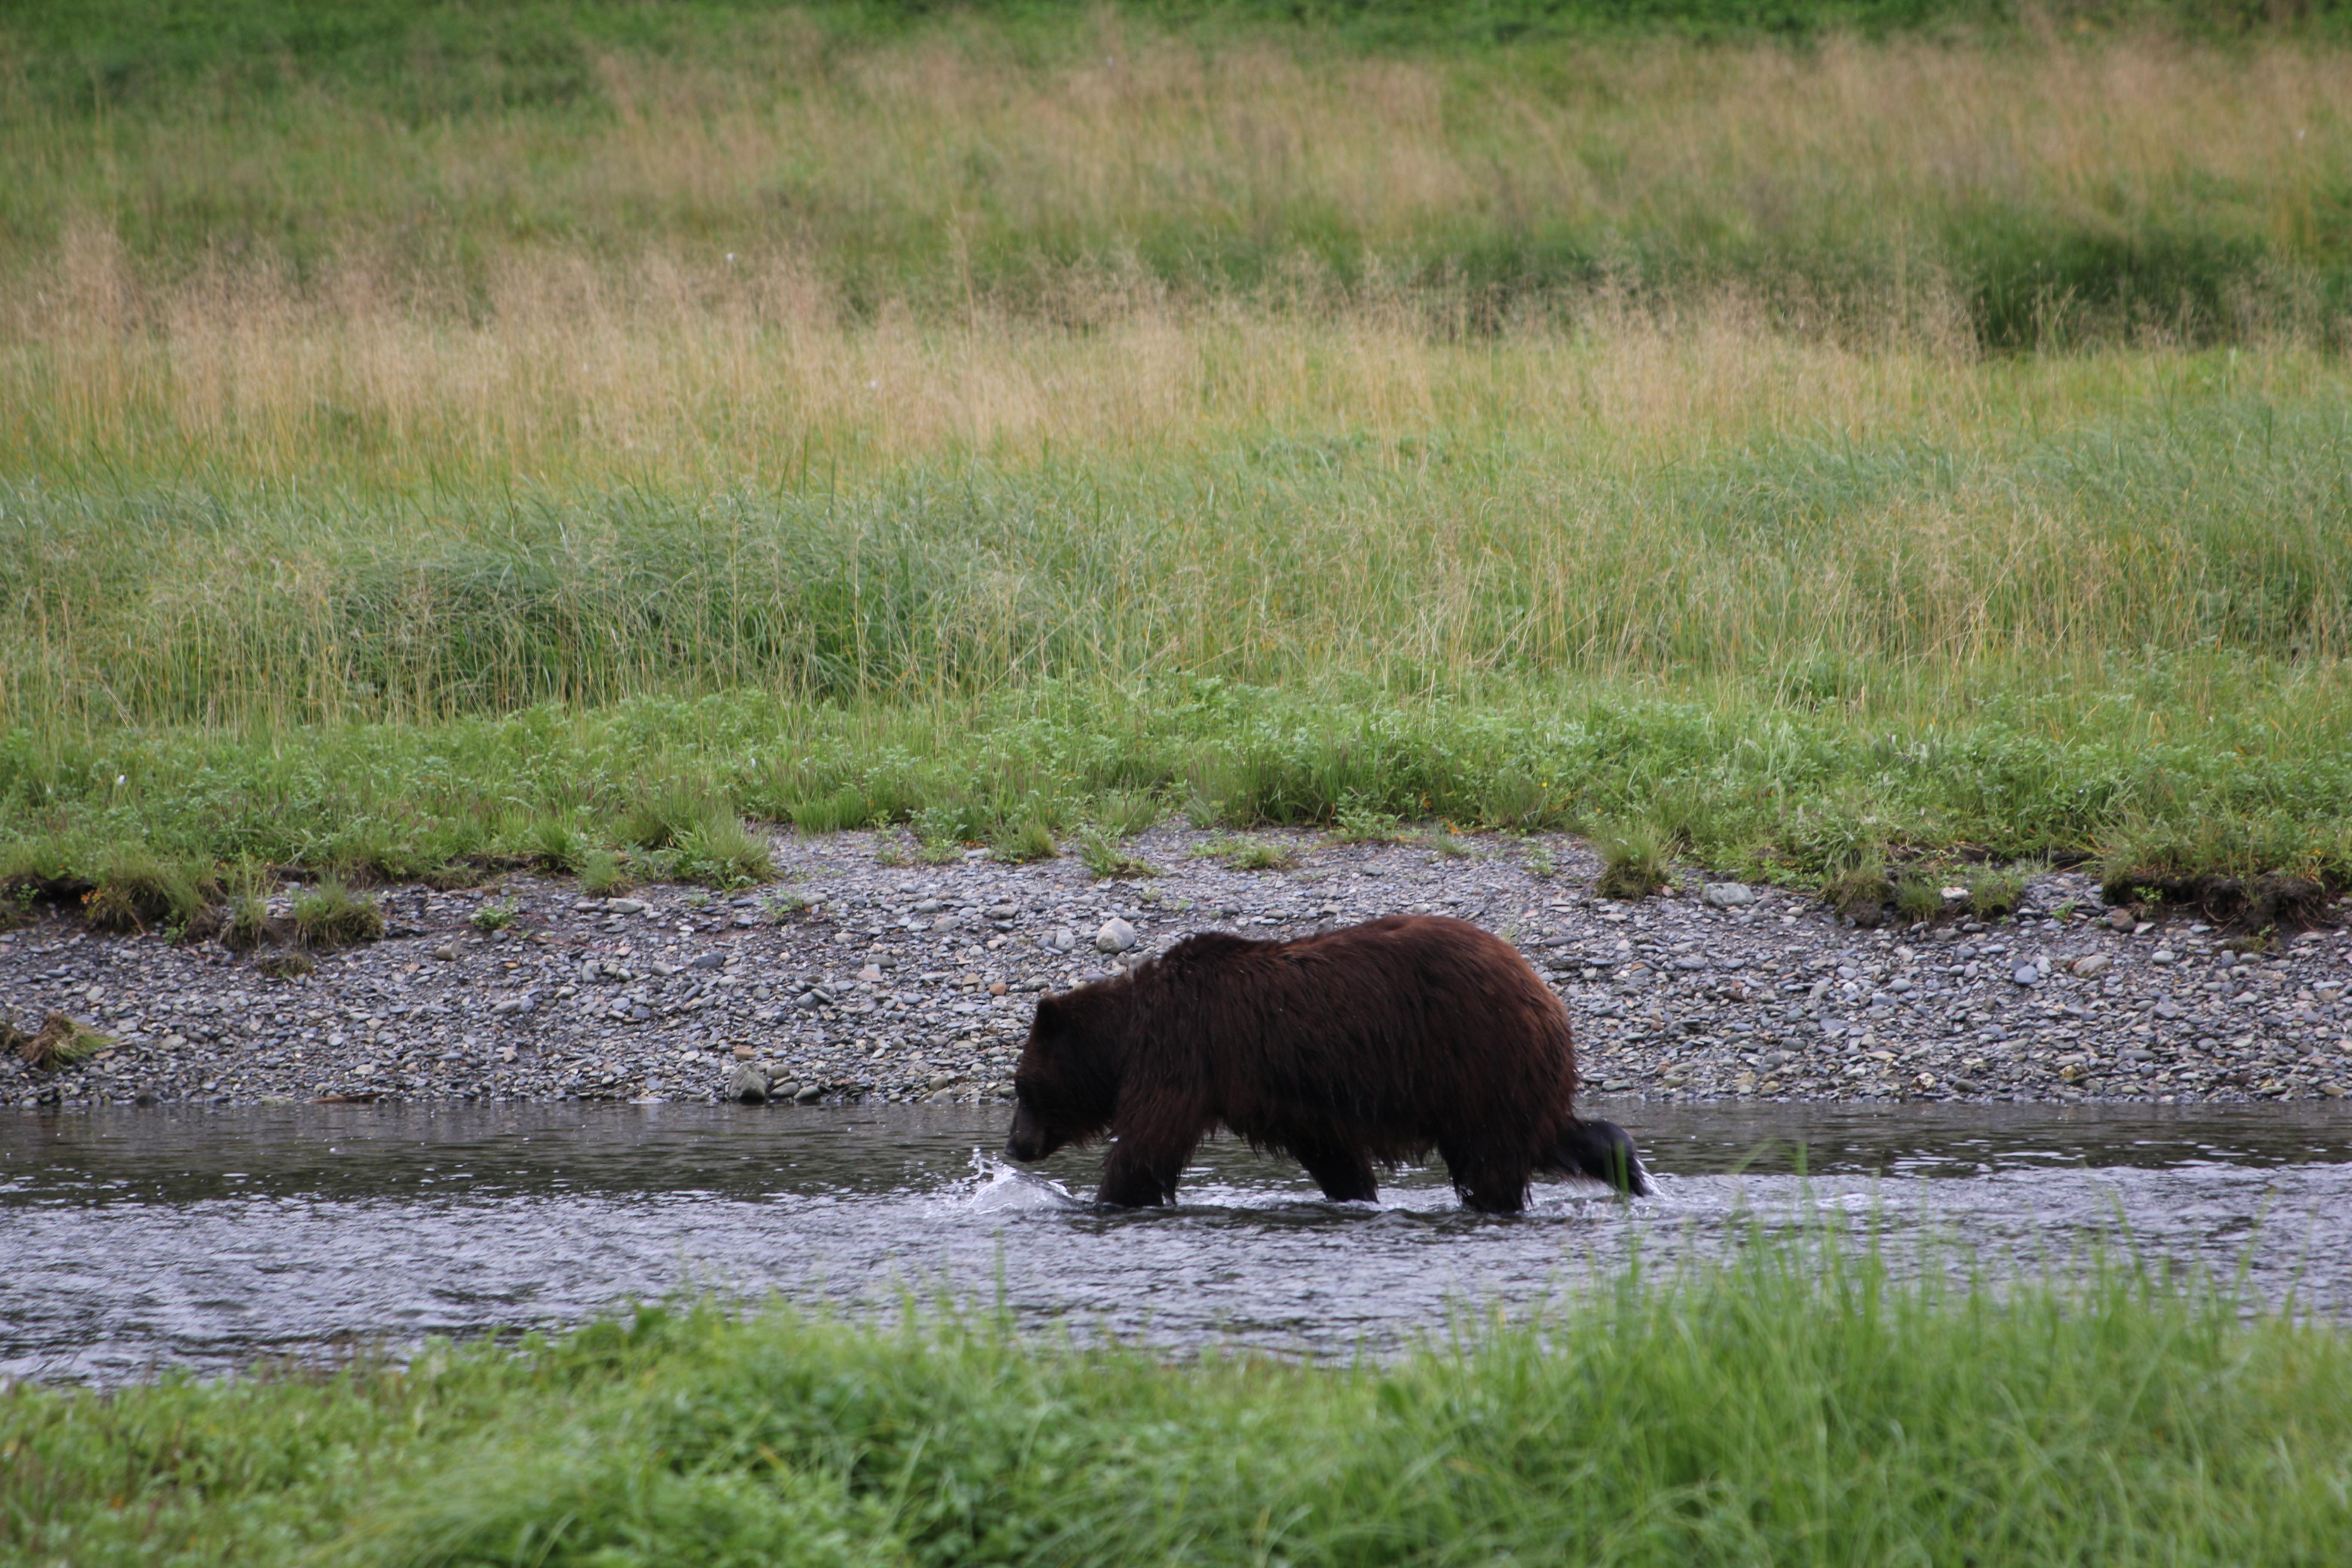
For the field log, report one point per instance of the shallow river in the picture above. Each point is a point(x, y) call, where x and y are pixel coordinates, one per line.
point(206, 1239)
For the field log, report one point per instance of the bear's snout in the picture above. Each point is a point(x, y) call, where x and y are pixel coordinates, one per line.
point(1027, 1141)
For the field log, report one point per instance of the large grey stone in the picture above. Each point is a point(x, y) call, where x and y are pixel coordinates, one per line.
point(749, 1083)
point(1727, 895)
point(1116, 936)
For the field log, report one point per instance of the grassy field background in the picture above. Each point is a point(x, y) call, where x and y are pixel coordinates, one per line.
point(430, 435)
point(1806, 1403)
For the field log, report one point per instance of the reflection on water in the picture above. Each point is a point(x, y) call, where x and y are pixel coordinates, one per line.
point(207, 1238)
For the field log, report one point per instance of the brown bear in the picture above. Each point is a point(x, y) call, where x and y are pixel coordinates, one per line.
point(1371, 1044)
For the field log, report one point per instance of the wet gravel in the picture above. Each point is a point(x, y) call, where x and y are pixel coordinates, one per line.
point(854, 979)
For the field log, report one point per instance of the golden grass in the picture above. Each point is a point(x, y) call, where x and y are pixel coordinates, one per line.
point(728, 372)
point(946, 169)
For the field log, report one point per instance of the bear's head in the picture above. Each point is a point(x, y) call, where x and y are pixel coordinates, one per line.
point(1066, 1084)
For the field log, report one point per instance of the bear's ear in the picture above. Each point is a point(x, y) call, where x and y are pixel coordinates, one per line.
point(1052, 1011)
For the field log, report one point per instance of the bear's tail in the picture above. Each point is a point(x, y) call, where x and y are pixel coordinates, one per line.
point(1602, 1151)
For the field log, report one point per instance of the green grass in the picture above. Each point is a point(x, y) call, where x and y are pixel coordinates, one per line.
point(435, 439)
point(1803, 1403)
point(1784, 794)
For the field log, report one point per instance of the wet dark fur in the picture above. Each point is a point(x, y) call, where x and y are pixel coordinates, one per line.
point(1365, 1047)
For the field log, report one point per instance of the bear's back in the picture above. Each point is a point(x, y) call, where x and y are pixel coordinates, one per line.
point(1400, 1033)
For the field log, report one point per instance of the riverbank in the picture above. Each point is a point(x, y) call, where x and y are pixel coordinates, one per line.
point(1742, 1409)
point(867, 976)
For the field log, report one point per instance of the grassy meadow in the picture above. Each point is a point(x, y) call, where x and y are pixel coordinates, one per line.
point(1805, 1404)
point(433, 437)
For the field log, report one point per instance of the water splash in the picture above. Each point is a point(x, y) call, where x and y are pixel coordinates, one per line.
point(1000, 1188)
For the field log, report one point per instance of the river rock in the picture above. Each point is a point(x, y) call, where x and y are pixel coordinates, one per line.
point(808, 1094)
point(624, 906)
point(2090, 966)
point(749, 1083)
point(1116, 936)
point(1727, 895)
point(2026, 974)
point(1060, 939)
point(2120, 919)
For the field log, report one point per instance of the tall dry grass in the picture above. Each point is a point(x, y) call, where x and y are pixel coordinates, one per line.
point(2131, 186)
point(289, 505)
point(736, 370)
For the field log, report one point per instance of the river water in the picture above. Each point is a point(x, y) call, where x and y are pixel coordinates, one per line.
point(209, 1238)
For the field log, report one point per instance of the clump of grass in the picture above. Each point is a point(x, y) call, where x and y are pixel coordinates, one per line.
point(1919, 895)
point(719, 849)
point(888, 851)
point(1857, 886)
point(327, 914)
point(1633, 860)
point(1246, 854)
point(494, 917)
point(139, 890)
point(1020, 843)
point(556, 843)
point(286, 965)
point(1995, 891)
point(603, 874)
point(248, 922)
point(60, 1041)
point(700, 824)
point(1540, 862)
point(1106, 857)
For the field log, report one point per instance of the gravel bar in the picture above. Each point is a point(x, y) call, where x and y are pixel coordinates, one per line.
point(856, 978)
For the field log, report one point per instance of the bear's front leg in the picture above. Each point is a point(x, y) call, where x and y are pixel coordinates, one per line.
point(1345, 1175)
point(1138, 1176)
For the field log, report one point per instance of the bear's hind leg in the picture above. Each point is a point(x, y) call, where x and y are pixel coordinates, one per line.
point(1345, 1175)
point(1488, 1184)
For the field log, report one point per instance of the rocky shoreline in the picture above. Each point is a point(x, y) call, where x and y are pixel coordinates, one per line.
point(863, 976)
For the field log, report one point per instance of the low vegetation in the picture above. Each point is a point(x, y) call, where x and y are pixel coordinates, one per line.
point(327, 915)
point(1805, 1402)
point(60, 1041)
